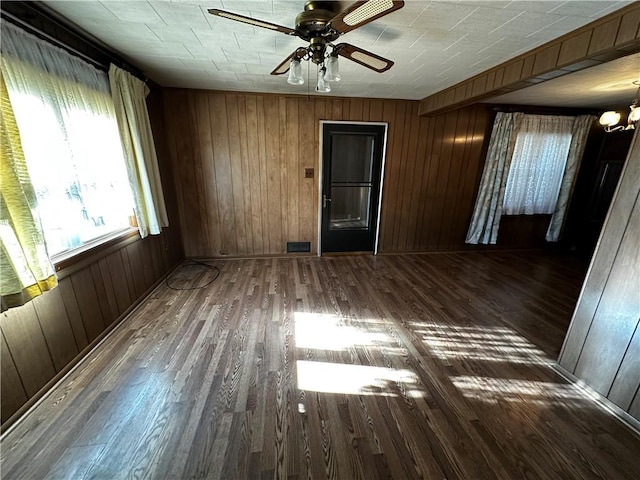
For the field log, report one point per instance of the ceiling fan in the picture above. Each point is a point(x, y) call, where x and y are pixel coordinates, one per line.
point(320, 25)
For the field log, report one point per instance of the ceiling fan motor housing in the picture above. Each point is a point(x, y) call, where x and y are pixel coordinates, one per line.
point(313, 22)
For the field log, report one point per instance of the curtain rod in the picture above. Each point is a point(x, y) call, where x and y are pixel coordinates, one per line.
point(14, 12)
point(45, 36)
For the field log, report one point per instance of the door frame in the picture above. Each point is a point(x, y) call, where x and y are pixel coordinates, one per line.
point(321, 177)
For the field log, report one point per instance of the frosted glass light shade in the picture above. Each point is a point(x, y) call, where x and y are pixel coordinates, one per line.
point(333, 69)
point(609, 119)
point(634, 115)
point(323, 85)
point(295, 73)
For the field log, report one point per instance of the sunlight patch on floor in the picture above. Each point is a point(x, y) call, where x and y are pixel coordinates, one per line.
point(330, 332)
point(483, 343)
point(355, 379)
point(495, 390)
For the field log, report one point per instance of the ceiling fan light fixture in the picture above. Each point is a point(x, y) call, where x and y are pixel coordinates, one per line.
point(333, 70)
point(323, 85)
point(295, 73)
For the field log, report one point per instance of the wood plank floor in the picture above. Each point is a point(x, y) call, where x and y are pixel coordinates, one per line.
point(434, 366)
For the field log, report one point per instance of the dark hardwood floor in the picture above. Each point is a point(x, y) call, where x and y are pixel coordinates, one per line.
point(434, 366)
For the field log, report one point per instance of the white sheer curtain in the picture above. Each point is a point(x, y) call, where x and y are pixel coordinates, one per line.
point(539, 158)
point(70, 138)
point(129, 95)
point(531, 167)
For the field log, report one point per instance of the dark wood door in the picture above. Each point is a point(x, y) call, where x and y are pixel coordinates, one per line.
point(351, 170)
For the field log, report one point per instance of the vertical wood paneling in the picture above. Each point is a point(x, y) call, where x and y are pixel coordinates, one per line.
point(391, 173)
point(245, 173)
point(272, 158)
point(307, 187)
point(181, 152)
point(421, 187)
point(88, 303)
point(224, 179)
point(283, 203)
point(104, 289)
point(54, 322)
point(415, 187)
point(442, 208)
point(73, 312)
point(137, 270)
point(413, 127)
point(254, 182)
point(295, 172)
point(13, 393)
point(236, 173)
point(430, 230)
point(601, 346)
point(255, 193)
point(105, 298)
point(197, 213)
point(28, 347)
point(627, 380)
point(262, 153)
point(459, 141)
point(616, 317)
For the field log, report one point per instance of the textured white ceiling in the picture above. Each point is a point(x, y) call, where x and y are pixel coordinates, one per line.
point(434, 44)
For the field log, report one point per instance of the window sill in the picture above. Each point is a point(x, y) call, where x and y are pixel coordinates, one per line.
point(66, 263)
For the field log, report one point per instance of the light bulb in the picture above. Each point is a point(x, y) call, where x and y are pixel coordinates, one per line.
point(323, 85)
point(634, 115)
point(295, 73)
point(333, 69)
point(609, 119)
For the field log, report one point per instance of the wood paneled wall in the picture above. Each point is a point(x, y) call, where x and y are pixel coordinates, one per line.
point(239, 163)
point(602, 346)
point(41, 340)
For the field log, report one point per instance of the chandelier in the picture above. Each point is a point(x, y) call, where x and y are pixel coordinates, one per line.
point(610, 119)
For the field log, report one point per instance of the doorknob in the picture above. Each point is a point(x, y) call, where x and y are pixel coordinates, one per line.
point(324, 201)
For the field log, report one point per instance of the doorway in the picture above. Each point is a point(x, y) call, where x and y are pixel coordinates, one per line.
point(352, 164)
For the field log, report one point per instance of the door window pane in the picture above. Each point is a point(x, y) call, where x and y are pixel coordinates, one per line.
point(350, 208)
point(351, 158)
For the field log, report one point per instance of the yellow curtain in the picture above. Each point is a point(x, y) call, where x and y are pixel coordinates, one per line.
point(25, 268)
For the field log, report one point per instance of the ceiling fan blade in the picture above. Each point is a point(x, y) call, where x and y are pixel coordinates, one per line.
point(363, 12)
point(251, 21)
point(363, 57)
point(284, 65)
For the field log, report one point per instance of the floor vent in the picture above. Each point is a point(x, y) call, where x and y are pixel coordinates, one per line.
point(297, 247)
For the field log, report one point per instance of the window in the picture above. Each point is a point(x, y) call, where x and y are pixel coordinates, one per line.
point(70, 139)
point(537, 165)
